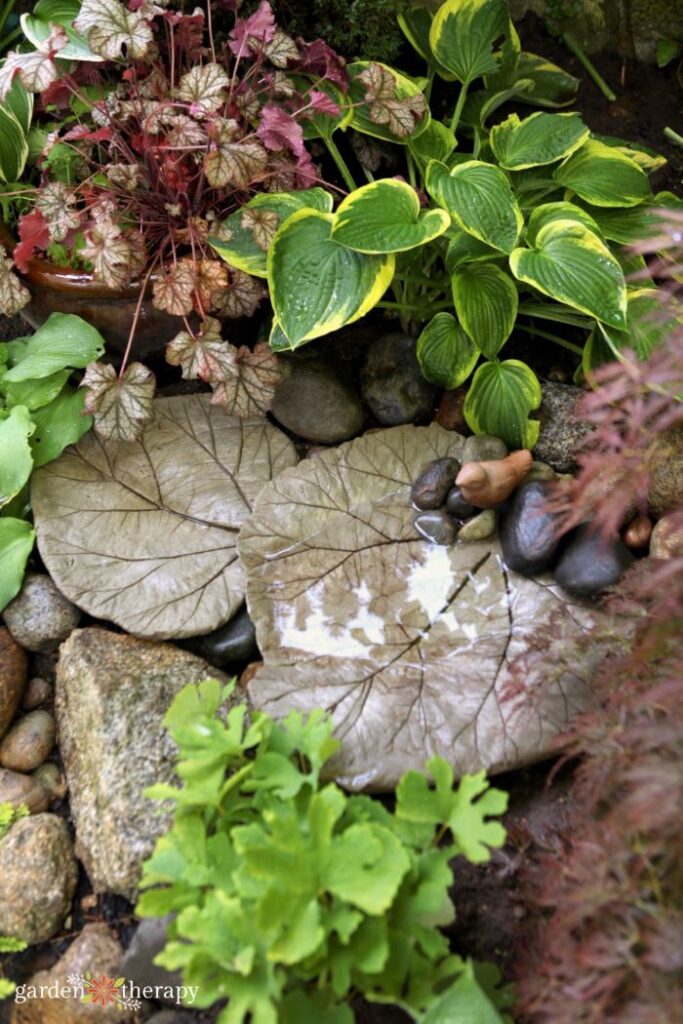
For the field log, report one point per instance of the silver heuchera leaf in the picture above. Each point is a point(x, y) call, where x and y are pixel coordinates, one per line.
point(409, 646)
point(144, 533)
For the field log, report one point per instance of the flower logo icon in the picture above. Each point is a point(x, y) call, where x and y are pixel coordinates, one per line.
point(103, 991)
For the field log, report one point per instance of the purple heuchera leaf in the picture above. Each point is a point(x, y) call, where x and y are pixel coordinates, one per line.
point(278, 130)
point(256, 30)
point(320, 59)
point(321, 103)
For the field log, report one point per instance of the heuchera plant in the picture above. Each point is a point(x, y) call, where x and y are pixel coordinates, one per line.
point(150, 127)
point(42, 410)
point(492, 227)
point(292, 896)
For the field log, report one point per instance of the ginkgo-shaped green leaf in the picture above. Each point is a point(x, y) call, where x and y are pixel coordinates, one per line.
point(537, 140)
point(486, 302)
point(465, 809)
point(499, 401)
point(244, 238)
point(316, 285)
point(463, 34)
point(479, 198)
point(385, 216)
point(446, 353)
point(16, 543)
point(604, 176)
point(571, 264)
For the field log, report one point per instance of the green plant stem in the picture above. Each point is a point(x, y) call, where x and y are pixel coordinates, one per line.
point(673, 136)
point(569, 345)
point(571, 43)
point(455, 120)
point(341, 164)
point(426, 308)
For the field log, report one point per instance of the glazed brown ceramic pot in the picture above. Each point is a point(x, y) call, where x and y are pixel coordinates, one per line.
point(63, 290)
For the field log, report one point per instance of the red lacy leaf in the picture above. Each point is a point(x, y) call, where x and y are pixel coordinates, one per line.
point(320, 59)
point(278, 130)
point(321, 103)
point(34, 233)
point(253, 32)
point(83, 133)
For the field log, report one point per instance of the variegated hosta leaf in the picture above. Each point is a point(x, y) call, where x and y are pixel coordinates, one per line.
point(243, 296)
point(120, 406)
point(411, 647)
point(56, 201)
point(117, 257)
point(109, 26)
point(13, 294)
point(234, 163)
point(249, 380)
point(144, 534)
point(386, 108)
point(204, 87)
point(174, 292)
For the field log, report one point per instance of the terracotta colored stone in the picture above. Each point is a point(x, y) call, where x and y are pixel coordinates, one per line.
point(667, 538)
point(28, 742)
point(485, 484)
point(13, 675)
point(249, 673)
point(638, 532)
point(449, 414)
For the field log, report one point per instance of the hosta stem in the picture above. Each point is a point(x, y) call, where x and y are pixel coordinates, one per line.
point(341, 164)
point(673, 136)
point(571, 44)
point(455, 120)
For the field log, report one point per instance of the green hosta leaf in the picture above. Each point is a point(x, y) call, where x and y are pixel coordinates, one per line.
point(37, 30)
point(316, 285)
point(548, 213)
point(479, 198)
point(486, 302)
point(651, 319)
point(384, 216)
point(246, 235)
point(319, 125)
point(437, 142)
point(416, 24)
point(16, 543)
point(570, 264)
point(630, 226)
point(507, 60)
point(648, 159)
point(36, 393)
point(464, 1002)
point(385, 103)
point(465, 248)
point(463, 34)
point(552, 86)
point(537, 140)
point(59, 424)
point(445, 352)
point(19, 103)
point(499, 401)
point(16, 461)
point(13, 147)
point(64, 340)
point(604, 176)
point(465, 809)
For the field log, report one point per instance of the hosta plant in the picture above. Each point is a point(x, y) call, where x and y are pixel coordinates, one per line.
point(290, 896)
point(41, 412)
point(493, 226)
point(130, 130)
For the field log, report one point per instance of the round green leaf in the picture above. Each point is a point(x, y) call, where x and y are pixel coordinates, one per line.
point(64, 340)
point(499, 401)
point(16, 543)
point(486, 302)
point(436, 142)
point(416, 23)
point(59, 424)
point(380, 117)
point(243, 241)
point(479, 198)
point(446, 354)
point(570, 264)
point(548, 213)
point(463, 34)
point(552, 87)
point(603, 176)
point(16, 461)
point(316, 285)
point(36, 393)
point(537, 140)
point(384, 216)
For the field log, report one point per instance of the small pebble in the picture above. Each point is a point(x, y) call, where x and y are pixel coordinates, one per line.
point(19, 789)
point(638, 532)
point(434, 482)
point(38, 692)
point(40, 618)
point(437, 527)
point(528, 534)
point(28, 742)
point(667, 539)
point(483, 448)
point(51, 779)
point(457, 506)
point(450, 413)
point(479, 527)
point(232, 642)
point(249, 673)
point(589, 565)
point(13, 676)
point(540, 471)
